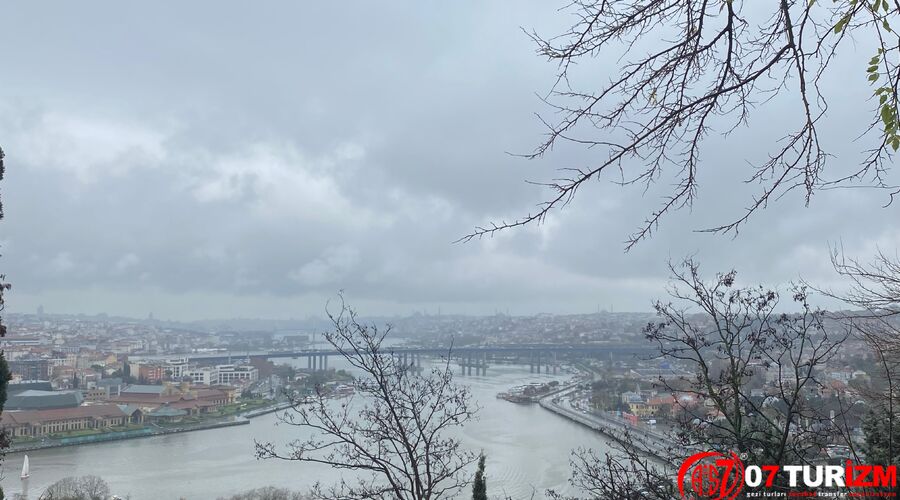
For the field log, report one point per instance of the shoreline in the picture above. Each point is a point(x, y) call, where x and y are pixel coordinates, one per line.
point(651, 443)
point(146, 432)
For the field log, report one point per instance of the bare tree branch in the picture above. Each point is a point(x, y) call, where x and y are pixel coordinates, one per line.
point(392, 433)
point(692, 68)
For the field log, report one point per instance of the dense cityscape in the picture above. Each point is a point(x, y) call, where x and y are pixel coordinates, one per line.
point(81, 379)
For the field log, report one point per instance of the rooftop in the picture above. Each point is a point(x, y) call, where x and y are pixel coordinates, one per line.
point(167, 411)
point(144, 389)
point(25, 385)
point(41, 416)
point(105, 382)
point(34, 399)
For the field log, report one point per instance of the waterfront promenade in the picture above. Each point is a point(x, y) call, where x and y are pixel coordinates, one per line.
point(644, 440)
point(147, 431)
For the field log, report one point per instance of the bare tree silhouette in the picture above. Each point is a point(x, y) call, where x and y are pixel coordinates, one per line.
point(690, 69)
point(393, 434)
point(727, 335)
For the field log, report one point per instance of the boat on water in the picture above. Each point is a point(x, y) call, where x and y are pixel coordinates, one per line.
point(25, 471)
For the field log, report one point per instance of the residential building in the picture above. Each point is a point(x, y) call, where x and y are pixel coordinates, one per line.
point(230, 374)
point(207, 375)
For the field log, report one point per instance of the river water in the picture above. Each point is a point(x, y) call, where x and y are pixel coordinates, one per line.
point(527, 447)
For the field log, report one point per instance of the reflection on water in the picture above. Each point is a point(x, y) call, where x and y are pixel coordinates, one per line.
point(527, 447)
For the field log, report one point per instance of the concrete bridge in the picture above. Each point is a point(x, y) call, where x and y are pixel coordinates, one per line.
point(537, 356)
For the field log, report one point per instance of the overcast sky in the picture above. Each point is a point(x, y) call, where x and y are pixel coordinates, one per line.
point(222, 159)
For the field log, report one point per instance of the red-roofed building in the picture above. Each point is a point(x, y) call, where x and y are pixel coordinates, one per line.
point(193, 400)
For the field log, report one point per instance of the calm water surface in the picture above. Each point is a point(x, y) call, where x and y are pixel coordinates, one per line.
point(527, 447)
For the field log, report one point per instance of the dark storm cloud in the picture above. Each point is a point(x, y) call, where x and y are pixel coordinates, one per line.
point(217, 160)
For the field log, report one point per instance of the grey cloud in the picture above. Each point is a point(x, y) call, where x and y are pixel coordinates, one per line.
point(215, 160)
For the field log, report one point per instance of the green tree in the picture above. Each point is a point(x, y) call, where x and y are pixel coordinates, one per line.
point(5, 375)
point(479, 486)
point(881, 447)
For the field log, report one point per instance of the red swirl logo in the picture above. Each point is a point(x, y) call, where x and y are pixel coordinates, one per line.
point(712, 475)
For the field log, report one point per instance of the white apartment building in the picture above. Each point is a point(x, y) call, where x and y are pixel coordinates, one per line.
point(229, 374)
point(178, 367)
point(203, 375)
point(221, 374)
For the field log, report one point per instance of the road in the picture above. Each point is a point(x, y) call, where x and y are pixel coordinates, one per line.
point(647, 440)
